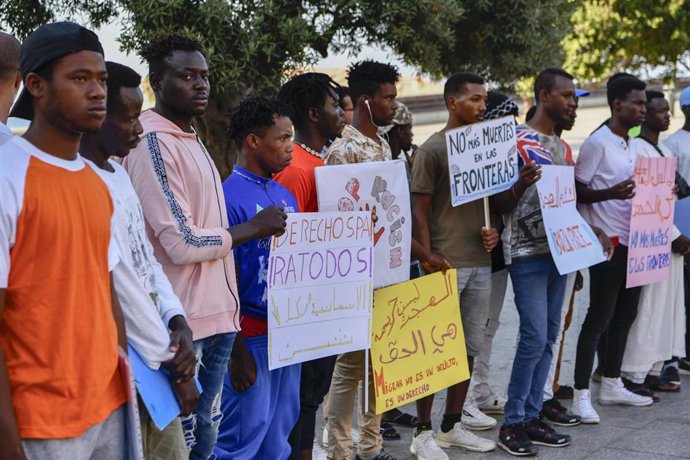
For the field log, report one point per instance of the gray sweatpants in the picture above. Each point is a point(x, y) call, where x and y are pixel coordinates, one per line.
point(103, 441)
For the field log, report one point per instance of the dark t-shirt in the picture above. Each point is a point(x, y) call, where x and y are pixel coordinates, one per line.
point(455, 231)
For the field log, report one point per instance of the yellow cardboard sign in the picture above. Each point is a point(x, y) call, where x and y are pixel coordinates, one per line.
point(417, 344)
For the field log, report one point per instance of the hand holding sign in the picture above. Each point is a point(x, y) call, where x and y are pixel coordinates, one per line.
point(623, 190)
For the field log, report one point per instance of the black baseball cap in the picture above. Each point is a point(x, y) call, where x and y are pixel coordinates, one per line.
point(47, 44)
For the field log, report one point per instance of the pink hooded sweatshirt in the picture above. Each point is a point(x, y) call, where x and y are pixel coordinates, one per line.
point(182, 197)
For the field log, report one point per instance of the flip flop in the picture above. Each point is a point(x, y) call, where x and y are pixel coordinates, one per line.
point(389, 433)
point(403, 419)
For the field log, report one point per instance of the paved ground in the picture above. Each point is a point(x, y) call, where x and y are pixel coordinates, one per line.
point(660, 431)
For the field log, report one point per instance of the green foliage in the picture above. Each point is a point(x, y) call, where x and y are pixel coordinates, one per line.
point(609, 36)
point(252, 44)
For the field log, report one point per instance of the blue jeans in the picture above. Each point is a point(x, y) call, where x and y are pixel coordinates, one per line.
point(201, 428)
point(539, 291)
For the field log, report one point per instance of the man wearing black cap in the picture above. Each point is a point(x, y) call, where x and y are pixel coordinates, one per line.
point(61, 394)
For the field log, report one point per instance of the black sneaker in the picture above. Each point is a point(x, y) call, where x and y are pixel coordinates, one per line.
point(541, 433)
point(559, 415)
point(383, 455)
point(684, 366)
point(564, 392)
point(514, 440)
point(670, 374)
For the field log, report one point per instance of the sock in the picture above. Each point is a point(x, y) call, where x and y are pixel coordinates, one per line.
point(449, 421)
point(422, 426)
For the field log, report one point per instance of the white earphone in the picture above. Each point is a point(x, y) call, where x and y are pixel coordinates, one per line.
point(366, 102)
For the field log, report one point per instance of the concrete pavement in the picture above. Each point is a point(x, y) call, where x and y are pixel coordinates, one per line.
point(660, 431)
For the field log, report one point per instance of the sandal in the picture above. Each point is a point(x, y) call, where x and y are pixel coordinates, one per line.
point(398, 417)
point(388, 432)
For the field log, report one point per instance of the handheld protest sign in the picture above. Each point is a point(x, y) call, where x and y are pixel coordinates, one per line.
point(651, 221)
point(381, 188)
point(417, 341)
point(320, 287)
point(572, 242)
point(482, 159)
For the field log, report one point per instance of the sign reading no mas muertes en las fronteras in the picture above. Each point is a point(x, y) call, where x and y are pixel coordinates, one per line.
point(482, 159)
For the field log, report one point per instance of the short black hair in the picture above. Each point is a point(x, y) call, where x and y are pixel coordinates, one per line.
point(365, 77)
point(616, 76)
point(456, 83)
point(621, 87)
point(254, 115)
point(119, 76)
point(546, 79)
point(157, 50)
point(9, 56)
point(654, 94)
point(306, 91)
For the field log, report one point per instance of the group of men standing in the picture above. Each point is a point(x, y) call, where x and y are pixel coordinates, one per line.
point(143, 244)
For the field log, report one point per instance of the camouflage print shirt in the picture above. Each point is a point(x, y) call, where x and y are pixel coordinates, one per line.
point(355, 147)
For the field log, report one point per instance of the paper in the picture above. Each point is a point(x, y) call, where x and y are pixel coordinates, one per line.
point(651, 221)
point(572, 242)
point(417, 344)
point(320, 283)
point(155, 390)
point(381, 188)
point(482, 159)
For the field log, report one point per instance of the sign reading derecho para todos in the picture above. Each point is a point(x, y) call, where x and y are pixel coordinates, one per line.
point(572, 241)
point(482, 159)
point(651, 221)
point(381, 188)
point(320, 281)
point(417, 343)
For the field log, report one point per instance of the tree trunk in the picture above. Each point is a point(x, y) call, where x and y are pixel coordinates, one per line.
point(212, 128)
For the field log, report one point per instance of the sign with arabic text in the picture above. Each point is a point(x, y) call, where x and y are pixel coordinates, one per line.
point(417, 341)
point(482, 159)
point(572, 242)
point(320, 287)
point(651, 221)
point(381, 188)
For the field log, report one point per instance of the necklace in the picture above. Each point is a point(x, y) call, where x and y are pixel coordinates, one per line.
point(310, 150)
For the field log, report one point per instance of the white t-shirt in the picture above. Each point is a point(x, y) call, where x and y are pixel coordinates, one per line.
point(605, 160)
point(5, 133)
point(678, 144)
point(146, 296)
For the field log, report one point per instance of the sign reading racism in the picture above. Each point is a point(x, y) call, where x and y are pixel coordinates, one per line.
point(651, 221)
point(417, 343)
point(482, 159)
point(572, 241)
point(320, 283)
point(382, 189)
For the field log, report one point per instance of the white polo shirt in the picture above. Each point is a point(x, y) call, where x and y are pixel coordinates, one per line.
point(605, 160)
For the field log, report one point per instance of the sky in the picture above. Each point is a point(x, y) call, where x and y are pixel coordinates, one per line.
point(109, 34)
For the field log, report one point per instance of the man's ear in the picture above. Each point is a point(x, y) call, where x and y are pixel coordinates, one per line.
point(313, 115)
point(253, 140)
point(155, 81)
point(17, 81)
point(35, 84)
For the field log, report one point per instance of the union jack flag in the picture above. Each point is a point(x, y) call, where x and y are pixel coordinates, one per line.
point(530, 149)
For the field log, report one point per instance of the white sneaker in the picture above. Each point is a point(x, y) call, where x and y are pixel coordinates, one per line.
point(425, 447)
point(494, 404)
point(614, 392)
point(582, 406)
point(474, 419)
point(460, 437)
